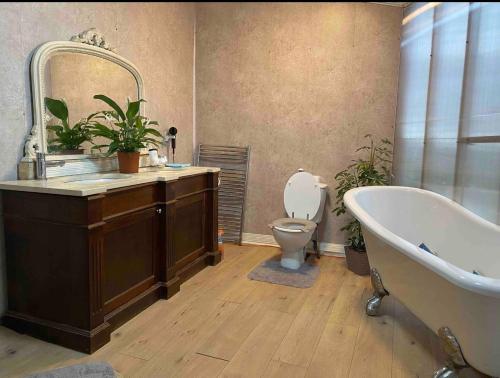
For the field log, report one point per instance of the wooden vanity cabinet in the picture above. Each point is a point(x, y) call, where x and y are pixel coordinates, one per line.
point(78, 267)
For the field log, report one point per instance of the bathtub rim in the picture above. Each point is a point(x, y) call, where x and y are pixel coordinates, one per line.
point(458, 276)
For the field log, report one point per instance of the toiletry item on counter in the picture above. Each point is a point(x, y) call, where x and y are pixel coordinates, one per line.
point(178, 165)
point(153, 156)
point(156, 159)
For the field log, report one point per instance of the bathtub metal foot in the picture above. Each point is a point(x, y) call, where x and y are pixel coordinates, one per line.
point(451, 347)
point(445, 372)
point(373, 304)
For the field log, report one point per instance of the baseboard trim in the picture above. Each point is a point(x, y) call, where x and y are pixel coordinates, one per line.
point(327, 249)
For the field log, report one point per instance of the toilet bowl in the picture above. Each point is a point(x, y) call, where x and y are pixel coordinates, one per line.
point(292, 235)
point(304, 199)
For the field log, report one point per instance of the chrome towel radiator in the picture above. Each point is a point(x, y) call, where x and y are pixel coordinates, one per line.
point(234, 163)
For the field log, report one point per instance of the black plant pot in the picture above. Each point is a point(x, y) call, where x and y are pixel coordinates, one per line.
point(357, 261)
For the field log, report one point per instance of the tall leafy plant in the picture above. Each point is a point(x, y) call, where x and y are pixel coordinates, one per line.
point(127, 131)
point(371, 169)
point(67, 137)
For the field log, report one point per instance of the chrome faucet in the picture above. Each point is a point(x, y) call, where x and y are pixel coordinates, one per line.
point(42, 164)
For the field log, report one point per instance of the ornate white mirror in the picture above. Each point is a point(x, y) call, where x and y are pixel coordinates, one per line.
point(74, 71)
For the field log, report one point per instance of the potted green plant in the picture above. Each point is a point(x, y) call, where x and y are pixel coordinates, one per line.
point(372, 169)
point(68, 140)
point(127, 132)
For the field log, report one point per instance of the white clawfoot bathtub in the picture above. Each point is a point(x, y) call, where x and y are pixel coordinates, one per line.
point(441, 290)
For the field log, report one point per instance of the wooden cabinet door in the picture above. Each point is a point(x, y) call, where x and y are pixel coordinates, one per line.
point(130, 256)
point(189, 230)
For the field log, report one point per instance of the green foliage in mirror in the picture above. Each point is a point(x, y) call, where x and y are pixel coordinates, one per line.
point(127, 131)
point(372, 169)
point(66, 138)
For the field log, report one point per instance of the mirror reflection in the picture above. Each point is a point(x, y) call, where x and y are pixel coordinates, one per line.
point(71, 80)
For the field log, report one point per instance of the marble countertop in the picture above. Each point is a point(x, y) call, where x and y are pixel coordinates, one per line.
point(89, 184)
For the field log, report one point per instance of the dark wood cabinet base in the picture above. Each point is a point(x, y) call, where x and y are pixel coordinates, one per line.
point(213, 258)
point(71, 337)
point(171, 288)
point(79, 267)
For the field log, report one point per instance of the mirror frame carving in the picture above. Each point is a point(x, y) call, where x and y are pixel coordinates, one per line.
point(89, 42)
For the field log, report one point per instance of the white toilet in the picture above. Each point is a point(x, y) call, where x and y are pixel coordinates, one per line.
point(304, 199)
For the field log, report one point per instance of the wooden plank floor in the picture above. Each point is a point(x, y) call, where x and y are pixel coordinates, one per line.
point(223, 325)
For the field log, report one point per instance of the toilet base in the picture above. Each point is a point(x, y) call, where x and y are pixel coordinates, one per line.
point(292, 259)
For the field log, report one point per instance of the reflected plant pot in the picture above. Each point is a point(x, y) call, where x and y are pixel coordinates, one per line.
point(357, 262)
point(128, 162)
point(80, 151)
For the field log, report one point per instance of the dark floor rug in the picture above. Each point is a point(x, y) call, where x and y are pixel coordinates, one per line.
point(272, 271)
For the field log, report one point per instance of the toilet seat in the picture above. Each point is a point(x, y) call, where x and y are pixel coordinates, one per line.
point(293, 225)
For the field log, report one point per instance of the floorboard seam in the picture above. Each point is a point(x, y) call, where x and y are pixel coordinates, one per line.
point(215, 358)
point(129, 355)
point(356, 339)
point(393, 336)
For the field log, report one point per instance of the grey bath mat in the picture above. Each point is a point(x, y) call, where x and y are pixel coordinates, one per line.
point(90, 370)
point(272, 271)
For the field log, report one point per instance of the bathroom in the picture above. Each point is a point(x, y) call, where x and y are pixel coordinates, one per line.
point(109, 273)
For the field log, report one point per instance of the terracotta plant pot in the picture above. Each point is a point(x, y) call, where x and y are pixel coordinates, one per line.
point(128, 162)
point(357, 261)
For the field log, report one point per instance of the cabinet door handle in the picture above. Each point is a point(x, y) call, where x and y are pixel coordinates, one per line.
point(158, 211)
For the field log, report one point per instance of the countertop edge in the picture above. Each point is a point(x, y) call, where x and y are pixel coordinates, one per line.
point(56, 187)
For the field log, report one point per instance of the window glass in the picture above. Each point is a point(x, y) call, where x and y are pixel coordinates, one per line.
point(448, 121)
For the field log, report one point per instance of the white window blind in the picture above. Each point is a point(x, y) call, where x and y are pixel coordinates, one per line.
point(448, 124)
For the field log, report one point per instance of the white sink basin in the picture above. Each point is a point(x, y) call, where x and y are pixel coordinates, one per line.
point(98, 179)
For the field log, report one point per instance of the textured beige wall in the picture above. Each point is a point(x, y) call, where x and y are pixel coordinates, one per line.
point(302, 84)
point(157, 38)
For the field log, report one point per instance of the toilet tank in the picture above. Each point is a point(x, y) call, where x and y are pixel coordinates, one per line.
point(319, 215)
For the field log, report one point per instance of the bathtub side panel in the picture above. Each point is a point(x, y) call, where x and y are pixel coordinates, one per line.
point(473, 318)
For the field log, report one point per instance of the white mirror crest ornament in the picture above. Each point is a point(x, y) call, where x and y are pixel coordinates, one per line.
point(90, 42)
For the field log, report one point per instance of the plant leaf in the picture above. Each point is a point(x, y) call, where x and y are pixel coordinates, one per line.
point(58, 108)
point(113, 104)
point(133, 108)
point(153, 132)
point(55, 128)
point(371, 169)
